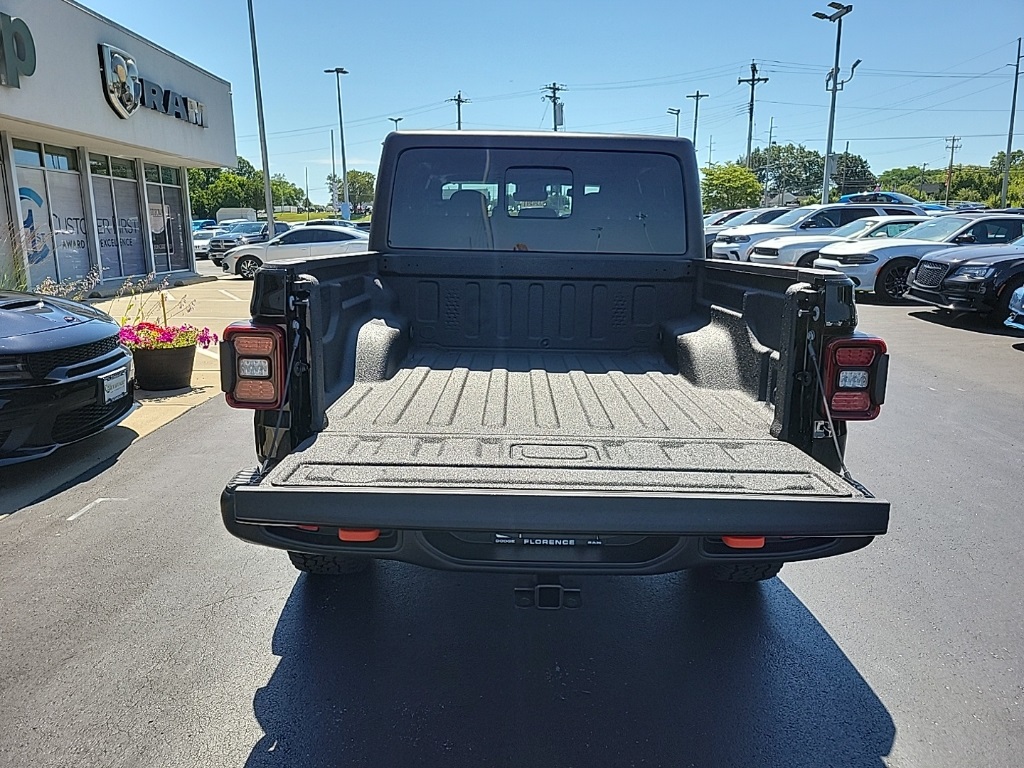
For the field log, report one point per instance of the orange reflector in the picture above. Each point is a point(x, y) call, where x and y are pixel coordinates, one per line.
point(313, 528)
point(253, 345)
point(851, 401)
point(255, 391)
point(856, 356)
point(744, 542)
point(359, 534)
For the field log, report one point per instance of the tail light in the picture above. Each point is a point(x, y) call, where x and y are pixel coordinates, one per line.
point(252, 366)
point(856, 369)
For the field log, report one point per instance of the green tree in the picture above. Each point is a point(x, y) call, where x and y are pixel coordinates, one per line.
point(361, 186)
point(245, 169)
point(788, 168)
point(729, 186)
point(851, 174)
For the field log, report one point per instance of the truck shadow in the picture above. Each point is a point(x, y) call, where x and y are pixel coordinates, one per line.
point(966, 321)
point(405, 666)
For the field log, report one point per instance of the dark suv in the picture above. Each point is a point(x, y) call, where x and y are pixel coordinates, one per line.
point(973, 279)
point(245, 233)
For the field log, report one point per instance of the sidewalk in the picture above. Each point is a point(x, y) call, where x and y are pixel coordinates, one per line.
point(219, 302)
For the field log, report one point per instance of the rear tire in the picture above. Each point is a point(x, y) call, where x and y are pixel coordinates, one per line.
point(891, 284)
point(329, 565)
point(743, 573)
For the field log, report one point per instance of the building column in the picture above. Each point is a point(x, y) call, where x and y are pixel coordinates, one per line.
point(186, 203)
point(89, 209)
point(10, 183)
point(140, 172)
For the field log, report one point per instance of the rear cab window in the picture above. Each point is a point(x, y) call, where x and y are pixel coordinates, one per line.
point(537, 201)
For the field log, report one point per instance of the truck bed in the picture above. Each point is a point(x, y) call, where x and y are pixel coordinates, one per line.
point(551, 422)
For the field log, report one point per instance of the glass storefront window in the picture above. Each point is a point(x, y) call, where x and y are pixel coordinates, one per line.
point(176, 223)
point(169, 176)
point(122, 169)
point(61, 158)
point(67, 221)
point(158, 216)
point(26, 153)
point(99, 165)
point(153, 173)
point(42, 258)
point(130, 237)
point(106, 227)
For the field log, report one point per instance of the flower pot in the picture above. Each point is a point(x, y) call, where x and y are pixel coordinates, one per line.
point(160, 369)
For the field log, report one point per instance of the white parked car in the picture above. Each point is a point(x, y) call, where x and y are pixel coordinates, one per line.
point(201, 241)
point(735, 243)
point(802, 250)
point(884, 266)
point(297, 243)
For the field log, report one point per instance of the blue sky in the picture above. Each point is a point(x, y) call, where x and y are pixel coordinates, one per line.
point(931, 68)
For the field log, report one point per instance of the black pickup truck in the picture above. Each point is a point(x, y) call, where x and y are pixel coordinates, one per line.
point(535, 370)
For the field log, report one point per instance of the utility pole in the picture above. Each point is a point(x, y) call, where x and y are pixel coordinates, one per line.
point(675, 112)
point(710, 144)
point(1009, 133)
point(920, 186)
point(459, 101)
point(768, 160)
point(306, 201)
point(753, 80)
point(268, 194)
point(557, 113)
point(834, 84)
point(952, 144)
point(696, 105)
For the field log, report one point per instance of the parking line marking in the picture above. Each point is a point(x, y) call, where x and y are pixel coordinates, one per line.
point(170, 296)
point(230, 295)
point(89, 506)
point(208, 353)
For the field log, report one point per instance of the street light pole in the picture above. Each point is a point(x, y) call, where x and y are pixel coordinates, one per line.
point(338, 72)
point(840, 11)
point(268, 195)
point(1009, 134)
point(396, 121)
point(675, 111)
point(334, 178)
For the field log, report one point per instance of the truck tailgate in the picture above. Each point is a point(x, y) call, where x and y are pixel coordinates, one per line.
point(553, 443)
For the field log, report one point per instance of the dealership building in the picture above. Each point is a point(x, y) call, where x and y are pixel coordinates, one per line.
point(97, 128)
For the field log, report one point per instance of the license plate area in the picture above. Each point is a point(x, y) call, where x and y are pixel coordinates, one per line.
point(113, 386)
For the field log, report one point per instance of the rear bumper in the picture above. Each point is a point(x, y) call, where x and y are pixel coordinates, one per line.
point(634, 533)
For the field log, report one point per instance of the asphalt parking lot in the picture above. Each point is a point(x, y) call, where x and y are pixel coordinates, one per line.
point(138, 632)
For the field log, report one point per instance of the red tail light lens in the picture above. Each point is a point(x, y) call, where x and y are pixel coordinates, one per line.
point(253, 370)
point(855, 377)
point(855, 356)
point(850, 401)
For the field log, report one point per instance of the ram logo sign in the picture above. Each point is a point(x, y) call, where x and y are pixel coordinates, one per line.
point(121, 81)
point(127, 90)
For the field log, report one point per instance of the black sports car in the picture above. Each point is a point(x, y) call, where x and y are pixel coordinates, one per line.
point(64, 374)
